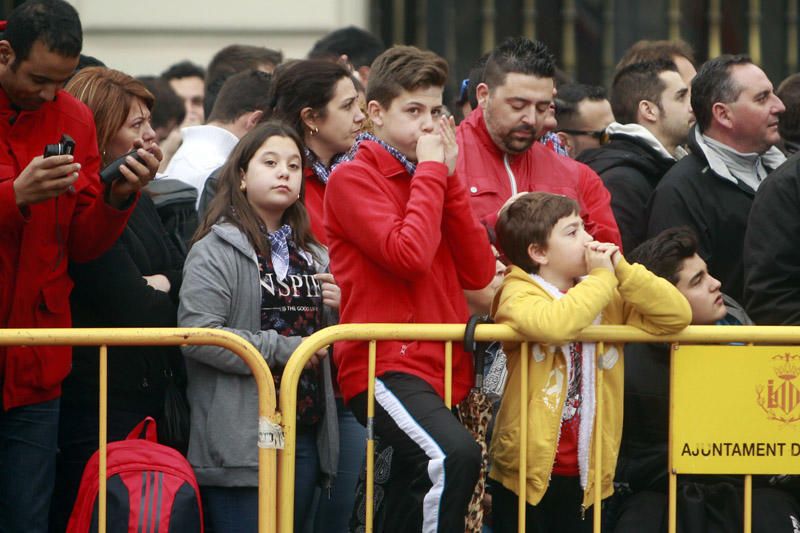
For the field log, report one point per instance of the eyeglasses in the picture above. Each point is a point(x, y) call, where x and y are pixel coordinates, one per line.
point(600, 135)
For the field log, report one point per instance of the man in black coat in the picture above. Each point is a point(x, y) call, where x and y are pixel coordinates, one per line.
point(772, 250)
point(733, 149)
point(650, 101)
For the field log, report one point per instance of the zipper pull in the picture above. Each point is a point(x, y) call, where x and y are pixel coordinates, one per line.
point(403, 349)
point(583, 513)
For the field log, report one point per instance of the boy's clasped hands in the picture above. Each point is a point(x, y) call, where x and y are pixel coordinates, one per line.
point(440, 145)
point(601, 255)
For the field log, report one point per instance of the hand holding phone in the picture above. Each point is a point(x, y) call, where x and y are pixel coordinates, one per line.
point(112, 172)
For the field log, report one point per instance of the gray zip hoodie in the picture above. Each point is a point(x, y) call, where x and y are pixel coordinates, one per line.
point(221, 289)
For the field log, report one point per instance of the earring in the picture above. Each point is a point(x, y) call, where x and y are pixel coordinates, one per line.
point(242, 186)
point(313, 130)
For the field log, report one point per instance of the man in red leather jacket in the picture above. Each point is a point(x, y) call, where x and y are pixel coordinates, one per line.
point(498, 155)
point(52, 211)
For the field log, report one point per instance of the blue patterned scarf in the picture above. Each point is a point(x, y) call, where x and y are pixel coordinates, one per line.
point(322, 172)
point(279, 250)
point(279, 241)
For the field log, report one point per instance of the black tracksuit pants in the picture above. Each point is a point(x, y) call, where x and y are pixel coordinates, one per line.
point(435, 461)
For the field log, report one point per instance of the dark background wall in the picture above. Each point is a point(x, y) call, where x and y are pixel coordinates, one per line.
point(589, 36)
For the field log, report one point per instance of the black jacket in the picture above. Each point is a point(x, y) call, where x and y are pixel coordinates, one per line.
point(691, 194)
point(630, 170)
point(645, 427)
point(111, 292)
point(772, 249)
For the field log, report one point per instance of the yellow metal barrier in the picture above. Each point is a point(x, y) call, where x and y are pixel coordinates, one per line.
point(267, 502)
point(453, 332)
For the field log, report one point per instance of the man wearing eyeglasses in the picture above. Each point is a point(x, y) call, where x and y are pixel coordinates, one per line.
point(651, 103)
point(583, 112)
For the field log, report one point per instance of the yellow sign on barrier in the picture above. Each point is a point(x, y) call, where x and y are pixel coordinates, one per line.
point(737, 409)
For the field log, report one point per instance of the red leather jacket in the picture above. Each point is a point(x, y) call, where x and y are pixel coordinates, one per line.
point(39, 241)
point(492, 177)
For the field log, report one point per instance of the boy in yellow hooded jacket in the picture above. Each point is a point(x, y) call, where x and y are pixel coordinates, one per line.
point(562, 281)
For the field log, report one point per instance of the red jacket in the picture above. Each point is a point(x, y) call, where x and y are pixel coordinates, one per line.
point(37, 244)
point(483, 166)
point(402, 250)
point(315, 194)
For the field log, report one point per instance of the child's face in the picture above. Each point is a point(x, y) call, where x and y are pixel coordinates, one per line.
point(702, 291)
point(273, 178)
point(565, 256)
point(409, 116)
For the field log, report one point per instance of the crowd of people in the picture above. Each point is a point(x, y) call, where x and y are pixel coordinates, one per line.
point(272, 198)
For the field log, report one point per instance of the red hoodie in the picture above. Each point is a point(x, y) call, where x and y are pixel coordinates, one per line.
point(38, 243)
point(402, 249)
point(488, 173)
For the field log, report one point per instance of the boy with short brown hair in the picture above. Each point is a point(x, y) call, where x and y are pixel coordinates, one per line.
point(562, 281)
point(404, 245)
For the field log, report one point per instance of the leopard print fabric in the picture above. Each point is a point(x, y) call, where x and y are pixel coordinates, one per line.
point(475, 414)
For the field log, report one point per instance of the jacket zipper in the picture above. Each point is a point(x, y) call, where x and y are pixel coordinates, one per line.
point(511, 178)
point(558, 437)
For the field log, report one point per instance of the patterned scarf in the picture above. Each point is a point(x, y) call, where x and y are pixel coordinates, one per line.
point(279, 249)
point(279, 241)
point(366, 136)
point(322, 172)
point(552, 141)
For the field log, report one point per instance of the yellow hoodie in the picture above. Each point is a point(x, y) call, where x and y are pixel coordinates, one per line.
point(631, 295)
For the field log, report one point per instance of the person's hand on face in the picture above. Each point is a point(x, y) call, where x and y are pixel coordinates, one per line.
point(45, 178)
point(599, 255)
point(440, 145)
point(447, 130)
point(135, 133)
point(430, 147)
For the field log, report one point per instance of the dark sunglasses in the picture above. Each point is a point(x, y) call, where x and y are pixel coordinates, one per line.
point(600, 135)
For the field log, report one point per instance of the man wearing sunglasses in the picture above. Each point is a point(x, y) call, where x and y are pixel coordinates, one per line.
point(651, 103)
point(583, 112)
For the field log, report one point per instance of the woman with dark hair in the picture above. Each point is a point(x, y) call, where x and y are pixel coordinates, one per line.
point(134, 284)
point(319, 99)
point(254, 269)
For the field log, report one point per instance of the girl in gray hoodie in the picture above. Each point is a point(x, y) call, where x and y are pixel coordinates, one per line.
point(255, 269)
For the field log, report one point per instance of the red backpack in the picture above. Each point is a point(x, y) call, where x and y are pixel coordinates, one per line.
point(151, 488)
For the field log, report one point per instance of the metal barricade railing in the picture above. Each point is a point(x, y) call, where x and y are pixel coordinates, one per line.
point(449, 333)
point(267, 466)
